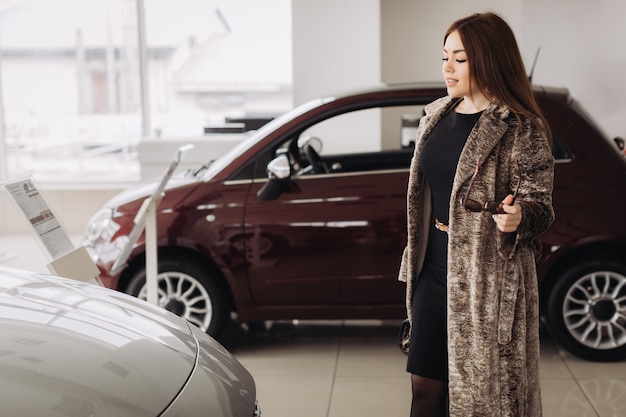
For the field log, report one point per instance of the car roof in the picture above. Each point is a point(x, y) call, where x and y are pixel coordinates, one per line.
point(561, 94)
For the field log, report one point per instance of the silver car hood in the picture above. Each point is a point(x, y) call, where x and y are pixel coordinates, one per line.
point(74, 349)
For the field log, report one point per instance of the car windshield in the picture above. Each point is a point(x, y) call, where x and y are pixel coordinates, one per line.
point(224, 160)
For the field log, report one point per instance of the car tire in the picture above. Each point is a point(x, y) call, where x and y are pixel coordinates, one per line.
point(188, 290)
point(587, 310)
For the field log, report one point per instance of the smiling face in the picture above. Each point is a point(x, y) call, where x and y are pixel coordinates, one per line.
point(458, 78)
point(456, 70)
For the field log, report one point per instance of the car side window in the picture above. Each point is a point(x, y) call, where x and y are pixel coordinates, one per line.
point(374, 139)
point(368, 130)
point(559, 150)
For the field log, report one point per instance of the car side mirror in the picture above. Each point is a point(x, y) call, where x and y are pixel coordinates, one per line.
point(620, 143)
point(278, 172)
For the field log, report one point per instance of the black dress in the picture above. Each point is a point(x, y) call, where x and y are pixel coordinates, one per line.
point(438, 160)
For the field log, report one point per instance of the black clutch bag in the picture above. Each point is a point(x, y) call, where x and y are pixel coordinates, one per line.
point(404, 336)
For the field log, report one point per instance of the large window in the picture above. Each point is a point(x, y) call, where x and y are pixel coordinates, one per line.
point(71, 74)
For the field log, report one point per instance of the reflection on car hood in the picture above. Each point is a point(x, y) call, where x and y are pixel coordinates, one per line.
point(69, 348)
point(145, 189)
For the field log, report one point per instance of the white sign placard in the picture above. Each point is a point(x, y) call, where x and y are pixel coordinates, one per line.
point(41, 218)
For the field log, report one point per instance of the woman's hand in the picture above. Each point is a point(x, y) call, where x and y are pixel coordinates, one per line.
point(511, 218)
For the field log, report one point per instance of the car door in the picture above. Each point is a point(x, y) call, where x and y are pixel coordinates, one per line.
point(334, 238)
point(331, 239)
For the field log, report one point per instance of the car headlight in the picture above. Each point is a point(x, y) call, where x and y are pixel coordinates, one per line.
point(99, 237)
point(96, 225)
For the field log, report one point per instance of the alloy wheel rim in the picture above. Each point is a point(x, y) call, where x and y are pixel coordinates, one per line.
point(594, 310)
point(185, 296)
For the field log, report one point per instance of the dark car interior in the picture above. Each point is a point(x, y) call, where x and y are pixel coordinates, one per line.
point(378, 161)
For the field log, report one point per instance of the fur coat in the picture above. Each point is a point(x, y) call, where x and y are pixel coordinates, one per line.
point(493, 317)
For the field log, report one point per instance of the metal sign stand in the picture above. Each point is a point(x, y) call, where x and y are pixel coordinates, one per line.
point(146, 219)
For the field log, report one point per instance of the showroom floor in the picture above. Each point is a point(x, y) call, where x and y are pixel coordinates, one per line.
point(353, 368)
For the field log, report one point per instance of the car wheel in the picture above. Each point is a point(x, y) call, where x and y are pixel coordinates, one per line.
point(188, 290)
point(587, 310)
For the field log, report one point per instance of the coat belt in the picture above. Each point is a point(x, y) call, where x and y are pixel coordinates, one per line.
point(441, 226)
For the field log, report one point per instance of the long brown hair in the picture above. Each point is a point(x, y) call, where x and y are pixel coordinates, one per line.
point(496, 64)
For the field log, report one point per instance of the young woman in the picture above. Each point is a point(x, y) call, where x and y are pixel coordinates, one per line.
point(480, 194)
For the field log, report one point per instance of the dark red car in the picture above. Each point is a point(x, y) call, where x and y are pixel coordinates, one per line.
point(322, 238)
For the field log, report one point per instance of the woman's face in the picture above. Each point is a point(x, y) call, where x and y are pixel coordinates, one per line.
point(456, 72)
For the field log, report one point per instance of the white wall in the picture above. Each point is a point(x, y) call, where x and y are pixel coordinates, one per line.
point(412, 33)
point(336, 46)
point(582, 48)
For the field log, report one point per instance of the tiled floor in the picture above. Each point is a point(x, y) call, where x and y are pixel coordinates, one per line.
point(353, 368)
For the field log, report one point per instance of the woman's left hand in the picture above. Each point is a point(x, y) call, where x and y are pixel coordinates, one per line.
point(511, 218)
